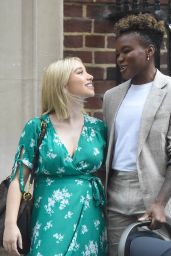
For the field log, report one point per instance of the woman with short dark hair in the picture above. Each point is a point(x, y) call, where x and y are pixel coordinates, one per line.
point(137, 113)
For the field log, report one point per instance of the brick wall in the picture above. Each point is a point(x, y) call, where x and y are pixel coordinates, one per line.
point(89, 35)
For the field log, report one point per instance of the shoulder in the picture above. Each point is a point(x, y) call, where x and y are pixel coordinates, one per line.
point(94, 122)
point(32, 126)
point(30, 132)
point(168, 79)
point(33, 123)
point(161, 80)
point(114, 90)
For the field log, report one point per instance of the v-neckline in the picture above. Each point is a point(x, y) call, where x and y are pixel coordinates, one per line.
point(61, 142)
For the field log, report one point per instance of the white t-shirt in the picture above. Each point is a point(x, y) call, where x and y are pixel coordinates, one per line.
point(127, 127)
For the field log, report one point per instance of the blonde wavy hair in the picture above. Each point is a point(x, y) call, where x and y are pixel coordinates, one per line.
point(55, 98)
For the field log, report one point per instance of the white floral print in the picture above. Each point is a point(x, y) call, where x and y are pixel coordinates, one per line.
point(91, 249)
point(96, 224)
point(74, 246)
point(59, 237)
point(84, 229)
point(66, 219)
point(48, 225)
point(68, 215)
point(60, 196)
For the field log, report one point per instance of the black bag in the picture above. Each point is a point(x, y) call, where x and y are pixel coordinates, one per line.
point(25, 210)
point(132, 232)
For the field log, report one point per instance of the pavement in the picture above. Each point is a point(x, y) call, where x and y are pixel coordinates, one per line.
point(3, 253)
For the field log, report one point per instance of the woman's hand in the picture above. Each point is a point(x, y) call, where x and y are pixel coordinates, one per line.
point(12, 238)
point(156, 215)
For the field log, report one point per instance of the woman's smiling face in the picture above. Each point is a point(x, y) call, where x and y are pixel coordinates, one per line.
point(131, 56)
point(80, 82)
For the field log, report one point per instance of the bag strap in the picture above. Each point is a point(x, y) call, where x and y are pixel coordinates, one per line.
point(28, 195)
point(36, 156)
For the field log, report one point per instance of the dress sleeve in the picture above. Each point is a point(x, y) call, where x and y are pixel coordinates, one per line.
point(26, 150)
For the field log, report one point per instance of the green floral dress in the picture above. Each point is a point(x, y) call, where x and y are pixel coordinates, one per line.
point(67, 215)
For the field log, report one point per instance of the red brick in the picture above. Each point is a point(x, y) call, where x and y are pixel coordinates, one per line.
point(103, 26)
point(104, 1)
point(102, 86)
point(98, 73)
point(95, 102)
point(77, 25)
point(73, 41)
point(95, 11)
point(111, 73)
point(95, 41)
point(105, 57)
point(99, 10)
point(110, 42)
point(164, 1)
point(85, 56)
point(73, 10)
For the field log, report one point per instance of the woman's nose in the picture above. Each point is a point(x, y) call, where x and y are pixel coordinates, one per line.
point(119, 58)
point(90, 77)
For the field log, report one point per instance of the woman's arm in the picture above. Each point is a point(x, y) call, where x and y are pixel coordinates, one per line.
point(156, 212)
point(12, 236)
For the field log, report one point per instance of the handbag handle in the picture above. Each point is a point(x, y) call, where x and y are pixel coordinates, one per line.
point(131, 228)
point(127, 232)
point(28, 195)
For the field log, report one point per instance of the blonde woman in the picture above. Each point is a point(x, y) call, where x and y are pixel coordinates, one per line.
point(67, 217)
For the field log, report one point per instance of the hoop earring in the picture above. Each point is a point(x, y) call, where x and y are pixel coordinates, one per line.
point(148, 57)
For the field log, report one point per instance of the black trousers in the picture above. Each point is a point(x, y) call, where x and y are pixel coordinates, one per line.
point(149, 246)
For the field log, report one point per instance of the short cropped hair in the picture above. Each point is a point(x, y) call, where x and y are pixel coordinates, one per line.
point(55, 99)
point(150, 30)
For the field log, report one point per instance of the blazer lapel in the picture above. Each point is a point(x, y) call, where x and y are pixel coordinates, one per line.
point(116, 100)
point(153, 102)
point(113, 106)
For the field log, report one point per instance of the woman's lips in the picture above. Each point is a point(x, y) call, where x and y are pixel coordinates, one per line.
point(90, 85)
point(123, 68)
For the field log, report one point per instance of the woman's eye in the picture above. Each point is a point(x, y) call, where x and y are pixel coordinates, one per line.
point(80, 72)
point(126, 50)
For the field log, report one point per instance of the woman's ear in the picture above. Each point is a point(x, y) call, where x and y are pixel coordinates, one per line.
point(150, 51)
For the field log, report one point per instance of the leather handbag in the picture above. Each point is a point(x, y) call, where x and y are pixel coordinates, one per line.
point(26, 204)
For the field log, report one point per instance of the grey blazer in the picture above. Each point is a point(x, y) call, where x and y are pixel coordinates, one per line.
point(154, 146)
